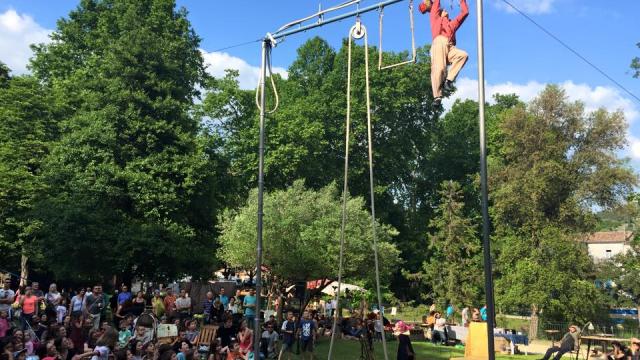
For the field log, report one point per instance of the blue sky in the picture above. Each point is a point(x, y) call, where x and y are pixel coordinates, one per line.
point(518, 56)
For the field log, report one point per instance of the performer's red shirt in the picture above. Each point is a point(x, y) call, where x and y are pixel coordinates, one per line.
point(443, 26)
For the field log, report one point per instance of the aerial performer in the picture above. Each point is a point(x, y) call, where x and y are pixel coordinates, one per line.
point(443, 48)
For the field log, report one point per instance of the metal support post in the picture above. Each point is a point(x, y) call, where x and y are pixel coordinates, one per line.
point(266, 48)
point(488, 274)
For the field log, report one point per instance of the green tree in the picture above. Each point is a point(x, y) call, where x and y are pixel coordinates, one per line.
point(302, 237)
point(454, 270)
point(133, 177)
point(554, 164)
point(28, 126)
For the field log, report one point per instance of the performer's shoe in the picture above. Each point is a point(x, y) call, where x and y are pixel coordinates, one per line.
point(437, 102)
point(448, 86)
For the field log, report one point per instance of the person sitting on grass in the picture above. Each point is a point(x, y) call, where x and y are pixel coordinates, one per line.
point(569, 342)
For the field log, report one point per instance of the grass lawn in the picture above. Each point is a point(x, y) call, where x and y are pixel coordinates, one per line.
point(350, 350)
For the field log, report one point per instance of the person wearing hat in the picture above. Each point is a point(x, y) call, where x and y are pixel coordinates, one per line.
point(443, 48)
point(569, 342)
point(405, 349)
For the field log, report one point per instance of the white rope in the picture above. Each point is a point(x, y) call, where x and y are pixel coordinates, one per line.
point(357, 31)
point(414, 52)
point(273, 85)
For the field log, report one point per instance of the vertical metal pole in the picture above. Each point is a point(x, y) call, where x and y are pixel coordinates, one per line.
point(266, 47)
point(488, 274)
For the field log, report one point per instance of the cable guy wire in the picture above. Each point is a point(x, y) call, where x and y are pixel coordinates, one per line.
point(572, 50)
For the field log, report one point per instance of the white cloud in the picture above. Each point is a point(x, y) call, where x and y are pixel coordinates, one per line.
point(218, 62)
point(593, 98)
point(17, 32)
point(527, 6)
point(634, 147)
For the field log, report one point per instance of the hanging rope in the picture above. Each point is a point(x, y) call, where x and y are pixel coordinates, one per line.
point(273, 85)
point(358, 31)
point(413, 40)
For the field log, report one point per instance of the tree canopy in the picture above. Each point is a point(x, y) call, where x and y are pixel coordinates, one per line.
point(302, 236)
point(132, 176)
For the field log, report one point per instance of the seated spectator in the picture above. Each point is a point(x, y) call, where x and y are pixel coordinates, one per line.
point(269, 341)
point(192, 332)
point(619, 352)
point(569, 342)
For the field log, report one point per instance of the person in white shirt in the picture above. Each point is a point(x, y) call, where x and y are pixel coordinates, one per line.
point(183, 305)
point(439, 330)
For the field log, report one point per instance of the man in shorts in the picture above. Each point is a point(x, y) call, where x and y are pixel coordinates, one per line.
point(288, 333)
point(308, 329)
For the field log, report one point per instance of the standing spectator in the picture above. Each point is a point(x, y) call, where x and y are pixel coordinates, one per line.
point(308, 330)
point(94, 304)
point(288, 335)
point(483, 313)
point(249, 305)
point(61, 311)
point(7, 297)
point(450, 310)
point(207, 306)
point(35, 288)
point(224, 299)
point(183, 305)
point(157, 304)
point(124, 295)
point(465, 317)
point(475, 315)
point(405, 349)
point(439, 330)
point(233, 306)
point(170, 304)
point(138, 304)
point(75, 307)
point(29, 305)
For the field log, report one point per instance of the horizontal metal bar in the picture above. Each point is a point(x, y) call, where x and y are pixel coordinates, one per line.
point(334, 19)
point(412, 61)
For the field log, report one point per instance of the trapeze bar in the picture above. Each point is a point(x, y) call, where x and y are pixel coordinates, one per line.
point(282, 34)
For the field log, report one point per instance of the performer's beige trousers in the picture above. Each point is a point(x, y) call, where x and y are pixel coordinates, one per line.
point(444, 53)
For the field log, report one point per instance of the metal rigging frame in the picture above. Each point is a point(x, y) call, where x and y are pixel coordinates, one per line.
point(268, 43)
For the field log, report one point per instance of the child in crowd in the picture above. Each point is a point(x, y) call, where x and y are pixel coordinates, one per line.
point(124, 335)
point(4, 323)
point(192, 332)
point(61, 311)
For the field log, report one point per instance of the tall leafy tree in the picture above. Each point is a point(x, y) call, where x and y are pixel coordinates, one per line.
point(28, 126)
point(554, 163)
point(129, 166)
point(454, 270)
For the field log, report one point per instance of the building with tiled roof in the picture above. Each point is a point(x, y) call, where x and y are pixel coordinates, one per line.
point(603, 245)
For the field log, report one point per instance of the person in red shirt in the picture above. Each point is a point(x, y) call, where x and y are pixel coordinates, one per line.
point(443, 48)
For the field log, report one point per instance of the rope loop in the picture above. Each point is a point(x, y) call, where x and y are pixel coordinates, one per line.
point(273, 85)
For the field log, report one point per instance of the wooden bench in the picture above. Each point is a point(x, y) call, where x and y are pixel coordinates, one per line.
point(206, 336)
